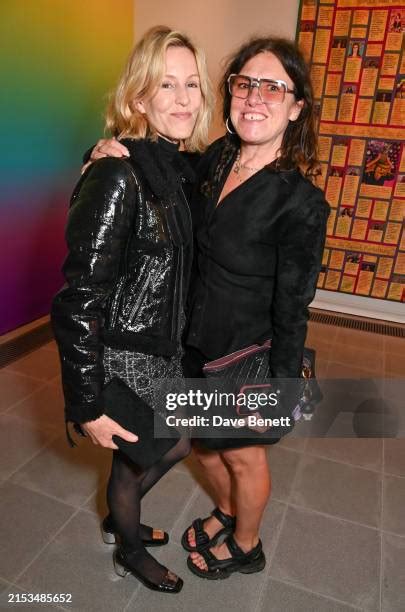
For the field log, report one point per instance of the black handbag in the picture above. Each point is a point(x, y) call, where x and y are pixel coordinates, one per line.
point(248, 370)
point(125, 407)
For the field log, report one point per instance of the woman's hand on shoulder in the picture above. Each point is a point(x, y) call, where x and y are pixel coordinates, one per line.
point(106, 147)
point(103, 429)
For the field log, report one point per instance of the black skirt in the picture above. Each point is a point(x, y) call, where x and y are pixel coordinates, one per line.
point(193, 362)
point(139, 371)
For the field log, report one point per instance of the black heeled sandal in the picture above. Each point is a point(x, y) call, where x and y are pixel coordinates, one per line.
point(170, 583)
point(110, 537)
point(219, 569)
point(202, 538)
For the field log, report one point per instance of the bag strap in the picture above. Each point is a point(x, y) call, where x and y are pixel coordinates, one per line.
point(232, 358)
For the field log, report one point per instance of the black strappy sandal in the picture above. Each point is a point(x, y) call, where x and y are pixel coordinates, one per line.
point(170, 583)
point(110, 537)
point(219, 569)
point(202, 539)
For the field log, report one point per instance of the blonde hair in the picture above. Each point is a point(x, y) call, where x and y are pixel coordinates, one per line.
point(141, 78)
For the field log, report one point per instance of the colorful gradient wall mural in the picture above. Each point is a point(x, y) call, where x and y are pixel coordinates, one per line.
point(59, 59)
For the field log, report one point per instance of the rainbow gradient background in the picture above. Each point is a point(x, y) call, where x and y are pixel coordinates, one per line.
point(59, 59)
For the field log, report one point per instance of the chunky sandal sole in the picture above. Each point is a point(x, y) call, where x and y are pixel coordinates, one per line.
point(252, 568)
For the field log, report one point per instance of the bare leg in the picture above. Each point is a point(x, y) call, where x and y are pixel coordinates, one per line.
point(251, 474)
point(219, 479)
point(251, 477)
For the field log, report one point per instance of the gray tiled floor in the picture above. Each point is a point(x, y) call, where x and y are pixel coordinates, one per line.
point(393, 591)
point(334, 531)
point(329, 556)
point(322, 485)
point(394, 457)
point(281, 596)
point(393, 518)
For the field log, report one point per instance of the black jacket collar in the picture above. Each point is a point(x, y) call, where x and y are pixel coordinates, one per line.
point(162, 165)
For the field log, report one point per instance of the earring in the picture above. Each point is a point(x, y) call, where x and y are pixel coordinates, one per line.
point(227, 126)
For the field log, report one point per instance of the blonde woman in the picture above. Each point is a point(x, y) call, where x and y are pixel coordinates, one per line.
point(129, 239)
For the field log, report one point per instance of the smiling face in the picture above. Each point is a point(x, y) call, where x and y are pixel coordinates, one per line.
point(264, 124)
point(174, 108)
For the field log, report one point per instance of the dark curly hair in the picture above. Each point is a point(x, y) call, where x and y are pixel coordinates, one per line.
point(299, 145)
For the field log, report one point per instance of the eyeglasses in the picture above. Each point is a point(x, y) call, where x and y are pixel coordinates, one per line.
point(270, 91)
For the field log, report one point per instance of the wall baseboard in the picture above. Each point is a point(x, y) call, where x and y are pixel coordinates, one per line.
point(366, 324)
point(25, 339)
point(359, 306)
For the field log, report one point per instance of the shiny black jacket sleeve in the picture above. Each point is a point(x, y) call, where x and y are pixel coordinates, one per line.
point(99, 223)
point(299, 260)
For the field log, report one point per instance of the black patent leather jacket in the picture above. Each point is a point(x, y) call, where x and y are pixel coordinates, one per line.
point(129, 240)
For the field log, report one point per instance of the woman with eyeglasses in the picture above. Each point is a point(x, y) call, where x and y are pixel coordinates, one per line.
point(259, 226)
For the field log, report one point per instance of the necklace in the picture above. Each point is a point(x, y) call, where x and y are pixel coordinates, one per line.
point(238, 166)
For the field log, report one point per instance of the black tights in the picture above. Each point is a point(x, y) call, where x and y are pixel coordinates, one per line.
point(126, 487)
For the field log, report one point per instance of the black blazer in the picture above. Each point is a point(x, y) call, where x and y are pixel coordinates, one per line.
point(258, 256)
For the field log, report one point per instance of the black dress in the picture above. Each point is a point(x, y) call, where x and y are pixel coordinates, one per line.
point(257, 259)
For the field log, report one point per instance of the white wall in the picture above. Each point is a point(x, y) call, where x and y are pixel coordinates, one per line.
point(219, 26)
